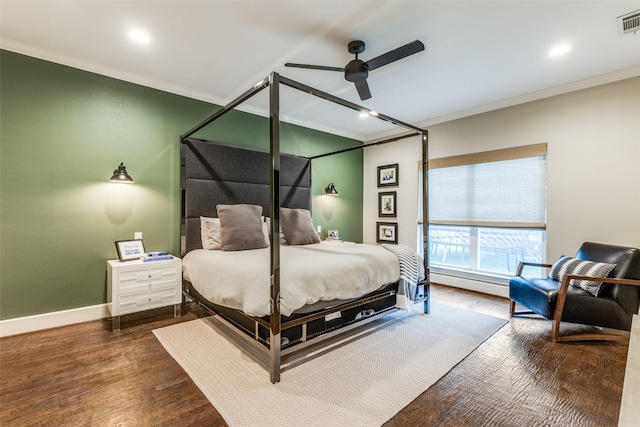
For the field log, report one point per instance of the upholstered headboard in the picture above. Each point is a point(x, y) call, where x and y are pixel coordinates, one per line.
point(212, 173)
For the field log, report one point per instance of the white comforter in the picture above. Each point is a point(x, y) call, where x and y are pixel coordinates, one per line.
point(309, 273)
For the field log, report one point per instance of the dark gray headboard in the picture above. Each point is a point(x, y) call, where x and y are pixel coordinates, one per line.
point(212, 173)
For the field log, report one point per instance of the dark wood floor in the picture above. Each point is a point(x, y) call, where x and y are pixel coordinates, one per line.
point(86, 375)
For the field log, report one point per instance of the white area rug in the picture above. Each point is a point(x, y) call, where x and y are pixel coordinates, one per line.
point(363, 378)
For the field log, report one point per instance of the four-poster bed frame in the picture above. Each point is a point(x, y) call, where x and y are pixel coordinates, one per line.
point(275, 324)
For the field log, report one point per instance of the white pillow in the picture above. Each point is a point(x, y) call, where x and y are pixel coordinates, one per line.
point(283, 241)
point(265, 230)
point(210, 232)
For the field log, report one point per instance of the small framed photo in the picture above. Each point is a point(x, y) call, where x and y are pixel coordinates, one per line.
point(130, 249)
point(387, 204)
point(388, 175)
point(387, 232)
point(333, 234)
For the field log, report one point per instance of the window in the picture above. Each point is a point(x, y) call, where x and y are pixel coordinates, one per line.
point(487, 211)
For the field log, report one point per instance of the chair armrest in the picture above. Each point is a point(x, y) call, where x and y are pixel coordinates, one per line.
point(562, 296)
point(524, 264)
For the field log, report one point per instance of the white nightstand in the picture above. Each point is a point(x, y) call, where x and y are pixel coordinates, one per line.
point(134, 286)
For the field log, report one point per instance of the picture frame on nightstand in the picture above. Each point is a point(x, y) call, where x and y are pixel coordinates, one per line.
point(130, 249)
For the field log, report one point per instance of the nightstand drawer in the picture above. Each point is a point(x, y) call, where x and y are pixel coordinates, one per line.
point(131, 302)
point(140, 276)
point(165, 296)
point(165, 273)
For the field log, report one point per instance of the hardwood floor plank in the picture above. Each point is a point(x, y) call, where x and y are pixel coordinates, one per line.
point(87, 375)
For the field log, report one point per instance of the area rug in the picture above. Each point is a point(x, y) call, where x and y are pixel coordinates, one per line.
point(360, 378)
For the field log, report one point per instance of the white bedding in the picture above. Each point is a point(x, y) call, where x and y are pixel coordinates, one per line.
point(309, 273)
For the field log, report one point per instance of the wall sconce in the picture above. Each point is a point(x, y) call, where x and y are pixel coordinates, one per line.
point(121, 175)
point(331, 190)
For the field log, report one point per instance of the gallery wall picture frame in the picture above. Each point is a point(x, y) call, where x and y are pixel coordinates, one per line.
point(130, 249)
point(387, 205)
point(387, 232)
point(388, 175)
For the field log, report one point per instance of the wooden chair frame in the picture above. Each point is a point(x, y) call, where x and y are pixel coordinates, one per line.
point(561, 299)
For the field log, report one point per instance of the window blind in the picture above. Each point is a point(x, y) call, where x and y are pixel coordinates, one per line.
point(502, 188)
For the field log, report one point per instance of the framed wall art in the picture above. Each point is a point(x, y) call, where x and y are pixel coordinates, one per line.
point(387, 204)
point(387, 232)
point(130, 249)
point(388, 175)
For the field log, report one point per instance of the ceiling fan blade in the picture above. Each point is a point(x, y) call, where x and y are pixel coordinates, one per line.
point(314, 67)
point(395, 54)
point(363, 89)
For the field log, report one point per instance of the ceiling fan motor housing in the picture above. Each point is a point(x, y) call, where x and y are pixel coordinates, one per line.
point(356, 71)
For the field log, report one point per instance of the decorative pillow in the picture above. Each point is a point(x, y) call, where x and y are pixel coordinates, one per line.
point(240, 227)
point(297, 226)
point(265, 229)
point(283, 241)
point(568, 265)
point(210, 233)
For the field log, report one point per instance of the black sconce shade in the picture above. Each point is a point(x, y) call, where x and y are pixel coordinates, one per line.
point(121, 175)
point(331, 190)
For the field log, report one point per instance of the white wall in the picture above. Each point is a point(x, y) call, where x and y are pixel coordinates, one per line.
point(593, 162)
point(407, 153)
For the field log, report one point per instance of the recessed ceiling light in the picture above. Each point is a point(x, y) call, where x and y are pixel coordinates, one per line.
point(363, 115)
point(560, 49)
point(139, 36)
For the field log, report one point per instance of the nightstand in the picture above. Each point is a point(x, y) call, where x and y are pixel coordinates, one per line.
point(134, 286)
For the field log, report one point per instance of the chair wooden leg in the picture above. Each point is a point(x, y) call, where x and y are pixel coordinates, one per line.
point(555, 330)
point(556, 337)
point(512, 307)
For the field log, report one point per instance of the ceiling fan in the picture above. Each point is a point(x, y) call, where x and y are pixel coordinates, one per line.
point(357, 71)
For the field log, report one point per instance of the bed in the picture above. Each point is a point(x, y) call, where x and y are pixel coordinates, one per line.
point(270, 309)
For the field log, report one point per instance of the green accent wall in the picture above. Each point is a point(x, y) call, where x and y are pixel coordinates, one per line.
point(62, 133)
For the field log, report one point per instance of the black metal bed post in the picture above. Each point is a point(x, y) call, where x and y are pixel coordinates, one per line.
point(274, 150)
point(229, 107)
point(425, 217)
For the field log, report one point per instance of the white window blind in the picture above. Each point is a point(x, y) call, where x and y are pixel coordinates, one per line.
point(503, 188)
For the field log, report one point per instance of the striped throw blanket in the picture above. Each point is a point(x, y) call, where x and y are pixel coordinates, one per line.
point(411, 271)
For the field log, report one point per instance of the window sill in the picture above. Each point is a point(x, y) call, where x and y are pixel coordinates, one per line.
point(496, 279)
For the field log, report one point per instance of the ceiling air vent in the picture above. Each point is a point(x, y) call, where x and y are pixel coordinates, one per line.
point(629, 23)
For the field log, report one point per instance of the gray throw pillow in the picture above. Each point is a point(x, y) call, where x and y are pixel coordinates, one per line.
point(297, 227)
point(240, 227)
point(569, 265)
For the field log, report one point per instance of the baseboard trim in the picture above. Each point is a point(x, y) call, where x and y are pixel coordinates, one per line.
point(38, 322)
point(471, 285)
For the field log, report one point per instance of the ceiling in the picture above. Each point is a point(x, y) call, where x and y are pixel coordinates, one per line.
point(479, 56)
